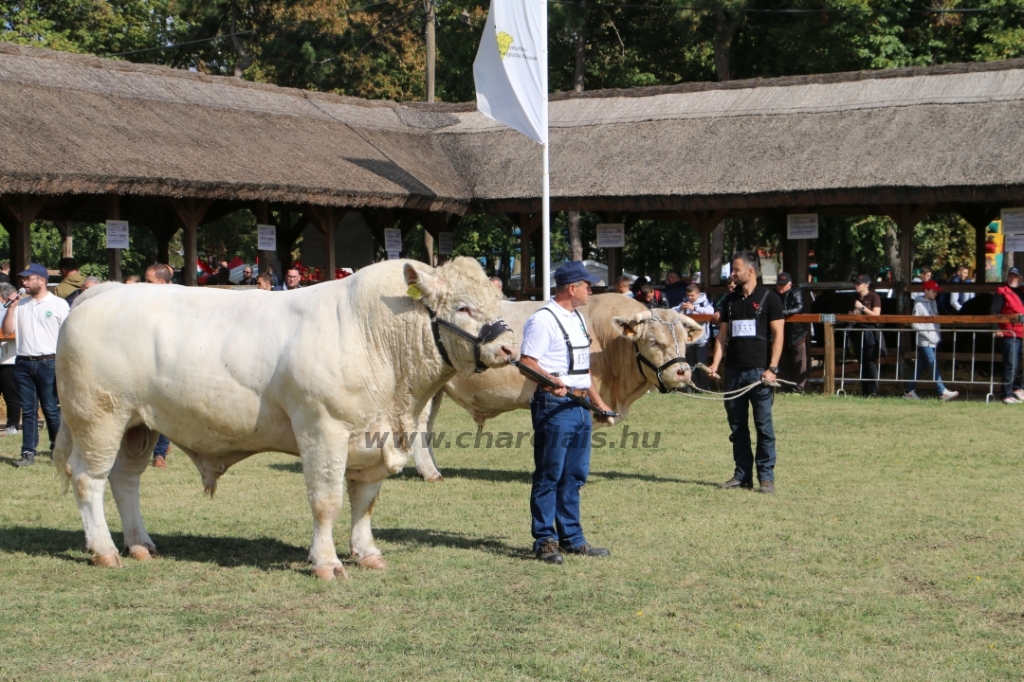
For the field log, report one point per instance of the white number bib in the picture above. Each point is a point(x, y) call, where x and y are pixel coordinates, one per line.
point(744, 328)
point(580, 358)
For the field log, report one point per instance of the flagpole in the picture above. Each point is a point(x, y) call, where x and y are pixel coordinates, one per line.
point(545, 207)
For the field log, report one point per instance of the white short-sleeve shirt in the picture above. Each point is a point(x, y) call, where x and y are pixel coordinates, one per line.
point(37, 323)
point(543, 340)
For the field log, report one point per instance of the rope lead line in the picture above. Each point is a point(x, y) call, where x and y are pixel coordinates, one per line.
point(736, 392)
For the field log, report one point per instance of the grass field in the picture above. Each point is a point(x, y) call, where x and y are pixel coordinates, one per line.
point(893, 550)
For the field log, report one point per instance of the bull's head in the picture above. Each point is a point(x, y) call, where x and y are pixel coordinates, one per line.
point(465, 311)
point(660, 337)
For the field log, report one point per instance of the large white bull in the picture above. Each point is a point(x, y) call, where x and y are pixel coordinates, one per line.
point(327, 363)
point(634, 350)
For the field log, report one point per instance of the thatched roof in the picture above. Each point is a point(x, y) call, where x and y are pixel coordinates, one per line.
point(78, 124)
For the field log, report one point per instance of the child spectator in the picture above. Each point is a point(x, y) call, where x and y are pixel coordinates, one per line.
point(696, 303)
point(928, 335)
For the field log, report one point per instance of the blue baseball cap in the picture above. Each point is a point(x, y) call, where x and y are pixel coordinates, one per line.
point(35, 269)
point(573, 271)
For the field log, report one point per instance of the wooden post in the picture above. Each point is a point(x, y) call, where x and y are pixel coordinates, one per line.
point(829, 374)
point(66, 228)
point(801, 261)
point(906, 219)
point(705, 222)
point(17, 212)
point(267, 259)
point(325, 218)
point(190, 212)
point(528, 224)
point(979, 216)
point(113, 255)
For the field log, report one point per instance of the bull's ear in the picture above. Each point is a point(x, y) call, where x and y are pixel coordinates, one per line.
point(694, 329)
point(630, 328)
point(423, 286)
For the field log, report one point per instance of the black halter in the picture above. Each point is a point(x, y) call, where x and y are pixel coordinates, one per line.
point(489, 332)
point(658, 371)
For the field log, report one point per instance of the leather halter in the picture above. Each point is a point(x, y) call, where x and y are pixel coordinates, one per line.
point(660, 370)
point(489, 332)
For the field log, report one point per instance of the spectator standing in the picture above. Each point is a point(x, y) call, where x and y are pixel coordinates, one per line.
point(675, 289)
point(750, 317)
point(160, 273)
point(868, 342)
point(696, 303)
point(292, 277)
point(247, 278)
point(794, 351)
point(5, 272)
point(1007, 301)
point(87, 284)
point(644, 292)
point(35, 320)
point(132, 279)
point(957, 299)
point(622, 286)
point(928, 336)
point(265, 281)
point(72, 278)
point(8, 385)
point(556, 344)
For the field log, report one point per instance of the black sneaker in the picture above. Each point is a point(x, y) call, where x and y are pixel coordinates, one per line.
point(27, 460)
point(587, 550)
point(550, 552)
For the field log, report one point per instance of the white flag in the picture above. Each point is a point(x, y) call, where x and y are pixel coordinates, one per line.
point(511, 67)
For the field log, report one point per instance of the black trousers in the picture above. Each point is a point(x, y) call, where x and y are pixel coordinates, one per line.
point(695, 354)
point(793, 365)
point(12, 398)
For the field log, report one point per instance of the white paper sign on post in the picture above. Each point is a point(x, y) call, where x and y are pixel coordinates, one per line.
point(392, 240)
point(611, 235)
point(266, 237)
point(1013, 221)
point(802, 226)
point(393, 255)
point(445, 243)
point(1013, 243)
point(117, 234)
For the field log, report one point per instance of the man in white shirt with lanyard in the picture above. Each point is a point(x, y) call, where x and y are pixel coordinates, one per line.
point(35, 321)
point(557, 345)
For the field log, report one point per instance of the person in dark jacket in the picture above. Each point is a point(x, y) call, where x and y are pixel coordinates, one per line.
point(646, 293)
point(675, 289)
point(794, 351)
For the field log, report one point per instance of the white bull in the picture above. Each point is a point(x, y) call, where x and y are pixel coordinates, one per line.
point(621, 329)
point(329, 362)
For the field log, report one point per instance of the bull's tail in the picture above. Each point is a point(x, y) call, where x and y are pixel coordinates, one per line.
point(61, 453)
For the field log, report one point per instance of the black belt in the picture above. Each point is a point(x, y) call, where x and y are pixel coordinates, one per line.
point(578, 392)
point(36, 358)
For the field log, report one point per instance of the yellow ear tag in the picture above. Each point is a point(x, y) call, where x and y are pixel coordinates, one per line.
point(414, 291)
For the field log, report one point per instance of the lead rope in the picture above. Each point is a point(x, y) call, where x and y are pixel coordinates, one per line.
point(736, 392)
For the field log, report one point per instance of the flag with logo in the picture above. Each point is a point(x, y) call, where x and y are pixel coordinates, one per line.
point(511, 67)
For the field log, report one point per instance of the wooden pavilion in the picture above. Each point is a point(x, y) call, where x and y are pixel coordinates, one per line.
point(88, 139)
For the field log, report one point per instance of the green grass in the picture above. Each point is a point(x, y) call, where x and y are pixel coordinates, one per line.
point(893, 550)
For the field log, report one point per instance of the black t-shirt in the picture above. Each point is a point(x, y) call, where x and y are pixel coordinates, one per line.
point(752, 351)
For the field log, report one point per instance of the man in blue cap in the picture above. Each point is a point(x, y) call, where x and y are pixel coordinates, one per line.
point(557, 345)
point(35, 320)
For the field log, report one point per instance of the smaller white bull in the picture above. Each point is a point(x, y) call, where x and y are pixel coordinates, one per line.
point(634, 350)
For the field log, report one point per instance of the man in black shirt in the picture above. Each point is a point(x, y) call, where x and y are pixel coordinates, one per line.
point(751, 328)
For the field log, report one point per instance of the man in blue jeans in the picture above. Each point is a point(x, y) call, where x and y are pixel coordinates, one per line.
point(928, 337)
point(751, 328)
point(556, 344)
point(35, 320)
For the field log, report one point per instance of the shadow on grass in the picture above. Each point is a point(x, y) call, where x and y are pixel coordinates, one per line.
point(263, 553)
point(291, 467)
point(439, 538)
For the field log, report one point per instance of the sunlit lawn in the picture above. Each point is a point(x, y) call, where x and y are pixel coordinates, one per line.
point(894, 549)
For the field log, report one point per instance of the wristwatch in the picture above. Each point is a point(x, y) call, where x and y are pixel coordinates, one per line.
point(773, 370)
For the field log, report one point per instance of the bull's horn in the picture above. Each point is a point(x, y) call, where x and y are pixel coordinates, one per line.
point(643, 316)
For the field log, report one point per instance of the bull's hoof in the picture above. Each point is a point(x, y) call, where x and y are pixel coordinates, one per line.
point(434, 478)
point(141, 553)
point(107, 561)
point(340, 570)
point(324, 572)
point(374, 561)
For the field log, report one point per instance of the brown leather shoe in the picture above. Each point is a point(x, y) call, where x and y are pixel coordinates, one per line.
point(766, 487)
point(160, 462)
point(550, 552)
point(734, 483)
